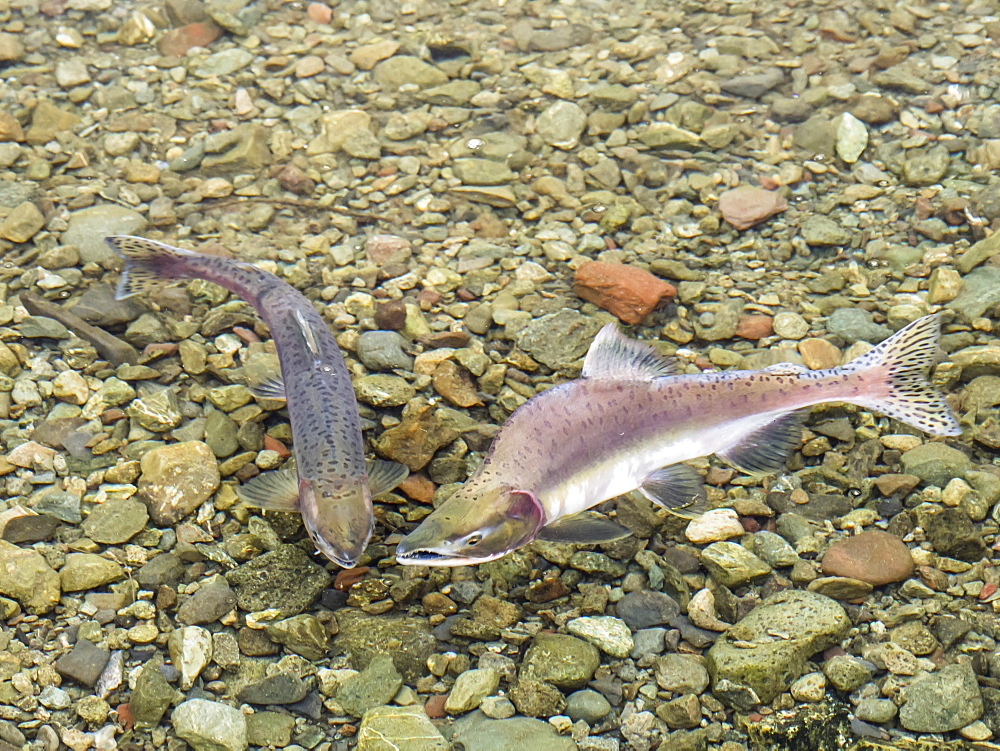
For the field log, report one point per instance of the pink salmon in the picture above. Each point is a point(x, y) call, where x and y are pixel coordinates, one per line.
point(630, 421)
point(332, 485)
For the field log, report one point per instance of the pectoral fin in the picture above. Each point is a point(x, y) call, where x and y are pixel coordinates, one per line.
point(677, 488)
point(272, 387)
point(765, 450)
point(583, 528)
point(277, 490)
point(383, 476)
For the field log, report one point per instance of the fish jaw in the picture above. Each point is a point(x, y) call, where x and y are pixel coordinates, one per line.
point(338, 518)
point(474, 526)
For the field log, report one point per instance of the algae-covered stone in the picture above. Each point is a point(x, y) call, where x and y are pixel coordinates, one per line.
point(389, 728)
point(564, 661)
point(303, 634)
point(476, 732)
point(471, 687)
point(946, 700)
point(731, 564)
point(284, 579)
point(768, 648)
point(115, 521)
point(372, 687)
point(88, 571)
point(27, 577)
point(151, 696)
point(936, 463)
point(210, 725)
point(607, 633)
point(177, 478)
point(363, 637)
point(558, 339)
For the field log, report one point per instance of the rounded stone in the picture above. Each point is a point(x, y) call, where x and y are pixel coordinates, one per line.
point(587, 705)
point(874, 556)
point(115, 521)
point(564, 661)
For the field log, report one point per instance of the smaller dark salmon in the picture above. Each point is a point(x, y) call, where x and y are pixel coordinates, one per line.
point(332, 486)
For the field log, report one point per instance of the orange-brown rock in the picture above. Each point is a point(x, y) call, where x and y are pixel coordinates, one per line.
point(746, 206)
point(628, 292)
point(176, 42)
point(874, 556)
point(755, 326)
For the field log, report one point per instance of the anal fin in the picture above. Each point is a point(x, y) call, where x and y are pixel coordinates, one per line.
point(583, 528)
point(766, 449)
point(277, 490)
point(383, 476)
point(676, 487)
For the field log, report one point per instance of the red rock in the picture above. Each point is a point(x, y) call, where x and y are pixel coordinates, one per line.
point(418, 487)
point(628, 292)
point(874, 556)
point(435, 706)
point(272, 443)
point(319, 12)
point(176, 42)
point(755, 326)
point(384, 249)
point(746, 206)
point(893, 484)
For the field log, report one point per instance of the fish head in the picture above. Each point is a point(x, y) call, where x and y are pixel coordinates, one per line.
point(338, 517)
point(472, 528)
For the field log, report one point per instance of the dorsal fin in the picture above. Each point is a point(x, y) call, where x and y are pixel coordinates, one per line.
point(308, 335)
point(765, 450)
point(614, 355)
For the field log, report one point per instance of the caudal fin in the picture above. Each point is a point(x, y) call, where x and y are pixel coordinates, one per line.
point(147, 263)
point(903, 361)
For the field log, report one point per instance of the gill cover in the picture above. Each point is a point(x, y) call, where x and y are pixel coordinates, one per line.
point(466, 530)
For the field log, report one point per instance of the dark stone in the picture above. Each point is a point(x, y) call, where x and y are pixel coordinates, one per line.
point(208, 604)
point(281, 688)
point(255, 643)
point(84, 663)
point(284, 578)
point(645, 608)
point(166, 568)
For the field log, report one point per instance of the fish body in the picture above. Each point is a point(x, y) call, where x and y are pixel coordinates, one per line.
point(629, 424)
point(331, 485)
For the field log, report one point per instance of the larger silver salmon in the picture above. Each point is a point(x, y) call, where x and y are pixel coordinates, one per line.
point(628, 422)
point(332, 486)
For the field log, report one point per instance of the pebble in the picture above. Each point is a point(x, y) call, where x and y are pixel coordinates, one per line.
point(384, 728)
point(713, 526)
point(303, 634)
point(277, 688)
point(408, 640)
point(609, 634)
point(644, 608)
point(115, 521)
point(681, 674)
point(190, 650)
point(789, 325)
point(177, 478)
point(946, 700)
point(564, 661)
point(88, 571)
point(478, 733)
point(587, 705)
point(856, 325)
point(821, 231)
point(873, 556)
point(731, 564)
point(471, 687)
point(211, 602)
point(936, 463)
point(210, 725)
point(84, 663)
point(852, 138)
point(383, 351)
point(30, 579)
point(284, 579)
point(561, 124)
point(786, 629)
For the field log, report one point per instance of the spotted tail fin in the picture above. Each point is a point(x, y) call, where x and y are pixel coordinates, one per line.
point(147, 264)
point(903, 362)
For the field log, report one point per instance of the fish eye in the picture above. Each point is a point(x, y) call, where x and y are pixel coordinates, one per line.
point(473, 539)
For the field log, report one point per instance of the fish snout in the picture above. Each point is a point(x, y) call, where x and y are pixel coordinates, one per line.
point(339, 521)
